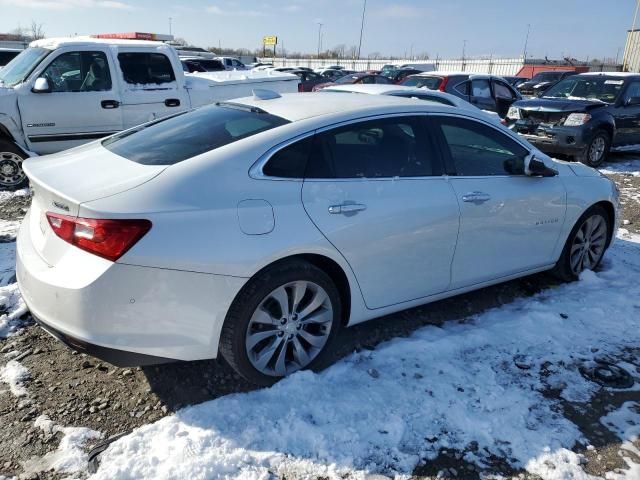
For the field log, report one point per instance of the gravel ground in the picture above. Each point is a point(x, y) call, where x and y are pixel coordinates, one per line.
point(76, 390)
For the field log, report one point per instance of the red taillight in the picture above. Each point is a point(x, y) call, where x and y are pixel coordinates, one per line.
point(108, 239)
point(443, 83)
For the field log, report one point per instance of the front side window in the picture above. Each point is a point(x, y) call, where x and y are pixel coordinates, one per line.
point(385, 148)
point(479, 150)
point(79, 72)
point(502, 91)
point(381, 79)
point(146, 68)
point(480, 89)
point(177, 138)
point(633, 90)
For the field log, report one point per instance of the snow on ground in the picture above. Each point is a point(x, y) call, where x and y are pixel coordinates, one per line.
point(70, 456)
point(625, 422)
point(631, 166)
point(15, 375)
point(475, 385)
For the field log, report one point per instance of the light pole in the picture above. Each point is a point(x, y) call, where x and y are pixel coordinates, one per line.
point(169, 25)
point(364, 9)
point(319, 38)
point(526, 42)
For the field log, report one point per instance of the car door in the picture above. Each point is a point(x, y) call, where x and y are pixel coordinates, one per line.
point(374, 189)
point(626, 114)
point(480, 94)
point(82, 103)
point(150, 88)
point(509, 222)
point(504, 97)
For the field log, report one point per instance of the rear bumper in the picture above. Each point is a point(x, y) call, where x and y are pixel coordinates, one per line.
point(110, 310)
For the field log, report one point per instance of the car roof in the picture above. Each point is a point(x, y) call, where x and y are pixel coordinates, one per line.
point(300, 106)
point(611, 74)
point(53, 43)
point(390, 89)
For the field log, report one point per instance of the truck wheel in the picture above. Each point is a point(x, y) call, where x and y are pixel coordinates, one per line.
point(12, 177)
point(597, 150)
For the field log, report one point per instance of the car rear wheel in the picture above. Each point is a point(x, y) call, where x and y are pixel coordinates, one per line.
point(586, 244)
point(282, 321)
point(597, 150)
point(12, 177)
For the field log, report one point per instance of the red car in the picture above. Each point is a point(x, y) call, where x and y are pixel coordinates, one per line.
point(360, 77)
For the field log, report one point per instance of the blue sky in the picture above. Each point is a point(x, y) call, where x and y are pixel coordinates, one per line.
point(581, 28)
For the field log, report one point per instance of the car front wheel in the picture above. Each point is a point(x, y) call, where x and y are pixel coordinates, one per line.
point(586, 244)
point(282, 321)
point(12, 177)
point(597, 150)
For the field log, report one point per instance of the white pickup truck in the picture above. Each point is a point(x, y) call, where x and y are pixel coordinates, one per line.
point(60, 93)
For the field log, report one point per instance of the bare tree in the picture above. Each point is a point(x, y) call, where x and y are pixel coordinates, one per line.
point(36, 31)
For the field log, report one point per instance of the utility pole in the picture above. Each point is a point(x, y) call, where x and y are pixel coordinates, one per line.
point(169, 25)
point(526, 42)
point(319, 38)
point(464, 48)
point(364, 9)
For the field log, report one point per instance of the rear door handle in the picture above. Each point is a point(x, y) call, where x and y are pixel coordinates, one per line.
point(109, 104)
point(476, 197)
point(347, 208)
point(172, 102)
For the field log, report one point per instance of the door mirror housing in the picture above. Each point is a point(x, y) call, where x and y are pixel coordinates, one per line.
point(632, 101)
point(41, 85)
point(537, 167)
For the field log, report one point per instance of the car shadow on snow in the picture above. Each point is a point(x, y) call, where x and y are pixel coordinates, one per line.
point(187, 383)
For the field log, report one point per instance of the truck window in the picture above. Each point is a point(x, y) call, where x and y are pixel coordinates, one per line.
point(79, 72)
point(140, 68)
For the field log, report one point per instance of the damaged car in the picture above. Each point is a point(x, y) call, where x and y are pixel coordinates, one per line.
point(582, 116)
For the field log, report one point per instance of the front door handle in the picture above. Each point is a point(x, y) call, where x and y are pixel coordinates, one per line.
point(172, 102)
point(109, 104)
point(347, 208)
point(476, 197)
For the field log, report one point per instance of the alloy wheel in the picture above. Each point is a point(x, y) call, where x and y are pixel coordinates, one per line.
point(596, 150)
point(11, 173)
point(289, 328)
point(588, 244)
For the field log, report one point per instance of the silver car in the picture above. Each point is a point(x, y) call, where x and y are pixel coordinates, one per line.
point(259, 228)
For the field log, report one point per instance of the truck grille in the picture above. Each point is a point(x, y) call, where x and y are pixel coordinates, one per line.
point(550, 118)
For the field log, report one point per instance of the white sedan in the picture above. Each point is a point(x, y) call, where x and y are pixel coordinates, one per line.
point(259, 228)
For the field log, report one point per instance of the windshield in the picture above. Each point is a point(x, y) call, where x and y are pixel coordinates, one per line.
point(177, 138)
point(432, 83)
point(587, 88)
point(18, 69)
point(546, 77)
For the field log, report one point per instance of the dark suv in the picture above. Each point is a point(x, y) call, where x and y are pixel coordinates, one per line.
point(541, 82)
point(582, 116)
point(486, 92)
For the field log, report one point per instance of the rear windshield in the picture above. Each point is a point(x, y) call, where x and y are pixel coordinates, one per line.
point(183, 136)
point(432, 83)
point(547, 76)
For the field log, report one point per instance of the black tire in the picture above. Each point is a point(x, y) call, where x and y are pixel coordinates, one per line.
point(598, 149)
point(12, 176)
point(563, 269)
point(233, 337)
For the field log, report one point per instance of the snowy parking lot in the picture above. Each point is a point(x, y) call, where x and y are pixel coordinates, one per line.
point(528, 379)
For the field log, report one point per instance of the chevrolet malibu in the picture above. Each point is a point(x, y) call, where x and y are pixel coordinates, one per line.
point(258, 228)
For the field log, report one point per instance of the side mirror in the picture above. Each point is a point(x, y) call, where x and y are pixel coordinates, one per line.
point(632, 101)
point(536, 167)
point(41, 85)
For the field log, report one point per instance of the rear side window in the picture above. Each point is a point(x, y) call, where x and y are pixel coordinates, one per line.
point(479, 150)
point(385, 148)
point(146, 68)
point(291, 161)
point(463, 88)
point(174, 139)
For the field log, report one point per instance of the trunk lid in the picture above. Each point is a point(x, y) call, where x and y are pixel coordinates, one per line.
point(62, 182)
